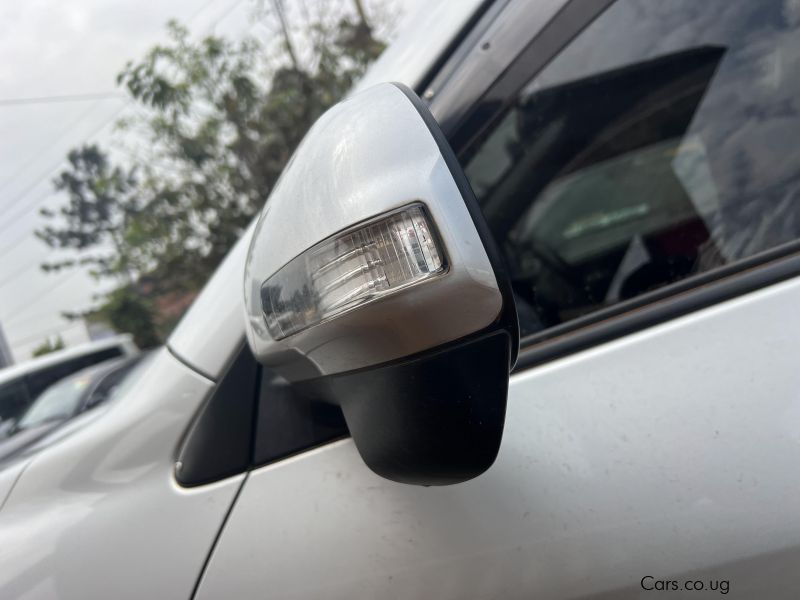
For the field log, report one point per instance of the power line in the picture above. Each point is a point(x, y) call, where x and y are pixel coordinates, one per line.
point(60, 99)
point(54, 166)
point(26, 209)
point(38, 203)
point(31, 301)
point(25, 233)
point(36, 155)
point(50, 170)
point(23, 269)
point(200, 9)
point(35, 316)
point(30, 162)
point(223, 15)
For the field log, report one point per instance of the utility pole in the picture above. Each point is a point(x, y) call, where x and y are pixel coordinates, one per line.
point(362, 14)
point(6, 358)
point(278, 6)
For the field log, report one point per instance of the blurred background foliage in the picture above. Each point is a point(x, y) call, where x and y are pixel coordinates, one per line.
point(217, 122)
point(48, 346)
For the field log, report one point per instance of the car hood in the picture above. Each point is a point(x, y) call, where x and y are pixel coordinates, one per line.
point(22, 439)
point(14, 458)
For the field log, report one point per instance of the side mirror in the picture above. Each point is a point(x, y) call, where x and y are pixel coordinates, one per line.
point(373, 282)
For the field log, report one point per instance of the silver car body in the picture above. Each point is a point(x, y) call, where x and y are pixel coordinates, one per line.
point(667, 453)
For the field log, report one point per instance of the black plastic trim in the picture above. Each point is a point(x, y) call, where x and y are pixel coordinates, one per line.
point(219, 443)
point(465, 110)
point(690, 297)
point(436, 419)
point(288, 423)
point(461, 43)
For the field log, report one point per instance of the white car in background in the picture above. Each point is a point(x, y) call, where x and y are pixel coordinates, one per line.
point(21, 384)
point(62, 403)
point(533, 335)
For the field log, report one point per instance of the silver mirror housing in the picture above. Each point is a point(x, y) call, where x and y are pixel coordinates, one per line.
point(371, 253)
point(367, 159)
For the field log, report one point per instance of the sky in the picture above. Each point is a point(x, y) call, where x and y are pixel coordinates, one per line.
point(53, 49)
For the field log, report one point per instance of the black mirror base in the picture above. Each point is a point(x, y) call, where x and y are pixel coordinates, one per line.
point(435, 419)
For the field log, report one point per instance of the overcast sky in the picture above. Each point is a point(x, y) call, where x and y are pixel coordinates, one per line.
point(53, 48)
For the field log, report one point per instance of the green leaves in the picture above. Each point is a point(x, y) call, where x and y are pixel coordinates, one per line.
point(48, 346)
point(218, 133)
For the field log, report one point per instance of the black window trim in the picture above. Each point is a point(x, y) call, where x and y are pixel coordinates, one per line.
point(647, 310)
point(474, 85)
point(229, 418)
point(659, 306)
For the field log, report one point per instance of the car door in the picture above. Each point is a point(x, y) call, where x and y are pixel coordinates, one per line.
point(637, 163)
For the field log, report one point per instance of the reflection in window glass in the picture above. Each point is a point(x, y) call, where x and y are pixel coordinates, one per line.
point(42, 379)
point(669, 153)
point(13, 399)
point(57, 403)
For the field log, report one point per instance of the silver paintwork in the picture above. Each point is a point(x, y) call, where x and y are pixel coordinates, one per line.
point(672, 452)
point(8, 478)
point(98, 514)
point(495, 49)
point(213, 328)
point(367, 156)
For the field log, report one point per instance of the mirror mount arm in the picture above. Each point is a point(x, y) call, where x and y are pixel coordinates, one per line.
point(425, 420)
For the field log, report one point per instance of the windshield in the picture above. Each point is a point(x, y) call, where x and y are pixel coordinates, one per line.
point(58, 402)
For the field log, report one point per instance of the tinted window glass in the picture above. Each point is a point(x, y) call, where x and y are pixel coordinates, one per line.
point(110, 383)
point(219, 441)
point(659, 144)
point(253, 417)
point(13, 399)
point(289, 422)
point(40, 380)
point(57, 403)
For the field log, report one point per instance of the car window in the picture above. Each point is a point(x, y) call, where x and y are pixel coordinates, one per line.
point(42, 379)
point(58, 402)
point(132, 373)
point(289, 422)
point(13, 399)
point(669, 154)
point(258, 418)
point(109, 385)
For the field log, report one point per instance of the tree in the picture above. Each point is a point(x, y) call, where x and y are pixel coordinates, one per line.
point(127, 310)
point(219, 120)
point(48, 346)
point(100, 208)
